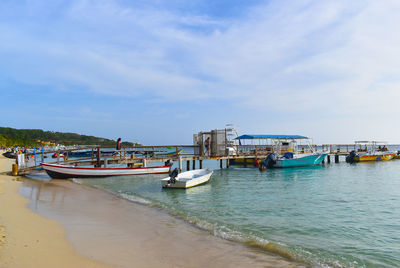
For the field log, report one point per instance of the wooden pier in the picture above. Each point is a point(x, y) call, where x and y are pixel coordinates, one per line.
point(190, 154)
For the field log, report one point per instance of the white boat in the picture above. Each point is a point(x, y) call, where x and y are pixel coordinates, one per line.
point(187, 179)
point(65, 172)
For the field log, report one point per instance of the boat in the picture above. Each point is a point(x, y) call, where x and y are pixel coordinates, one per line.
point(370, 151)
point(10, 155)
point(187, 179)
point(162, 154)
point(55, 155)
point(57, 171)
point(85, 153)
point(174, 153)
point(293, 160)
point(283, 151)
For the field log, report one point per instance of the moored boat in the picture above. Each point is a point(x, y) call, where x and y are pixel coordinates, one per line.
point(283, 151)
point(10, 155)
point(187, 179)
point(55, 155)
point(57, 171)
point(372, 152)
point(293, 160)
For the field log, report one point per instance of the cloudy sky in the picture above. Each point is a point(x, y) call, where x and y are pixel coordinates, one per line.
point(157, 71)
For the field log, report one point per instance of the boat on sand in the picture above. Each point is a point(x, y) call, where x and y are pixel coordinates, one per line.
point(57, 171)
point(187, 179)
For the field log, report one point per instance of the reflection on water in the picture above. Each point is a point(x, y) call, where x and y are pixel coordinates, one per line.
point(42, 190)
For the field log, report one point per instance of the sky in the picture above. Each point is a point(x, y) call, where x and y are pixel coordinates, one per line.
point(158, 71)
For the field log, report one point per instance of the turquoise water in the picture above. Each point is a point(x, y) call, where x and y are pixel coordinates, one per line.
point(333, 215)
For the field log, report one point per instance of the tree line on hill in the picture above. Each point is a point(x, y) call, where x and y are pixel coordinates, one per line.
point(37, 137)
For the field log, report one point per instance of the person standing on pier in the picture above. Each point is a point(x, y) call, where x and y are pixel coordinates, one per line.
point(207, 145)
point(118, 147)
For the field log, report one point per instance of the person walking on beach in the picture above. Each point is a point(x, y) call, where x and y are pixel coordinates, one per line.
point(207, 145)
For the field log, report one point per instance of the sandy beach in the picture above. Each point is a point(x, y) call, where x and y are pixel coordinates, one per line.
point(58, 223)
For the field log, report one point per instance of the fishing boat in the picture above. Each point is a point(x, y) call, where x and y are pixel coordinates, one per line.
point(187, 179)
point(284, 151)
point(370, 151)
point(57, 171)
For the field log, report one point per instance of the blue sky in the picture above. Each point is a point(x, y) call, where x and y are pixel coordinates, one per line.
point(158, 71)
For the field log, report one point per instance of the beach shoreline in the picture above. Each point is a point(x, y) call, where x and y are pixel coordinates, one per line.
point(107, 230)
point(28, 239)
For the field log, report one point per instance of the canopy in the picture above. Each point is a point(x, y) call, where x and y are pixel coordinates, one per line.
point(288, 137)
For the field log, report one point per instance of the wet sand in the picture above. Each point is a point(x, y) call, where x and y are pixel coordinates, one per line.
point(121, 233)
point(28, 239)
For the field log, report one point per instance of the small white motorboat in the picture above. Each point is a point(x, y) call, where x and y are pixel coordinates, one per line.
point(187, 179)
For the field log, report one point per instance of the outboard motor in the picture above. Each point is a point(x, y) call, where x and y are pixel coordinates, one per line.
point(268, 162)
point(169, 162)
point(351, 156)
point(262, 166)
point(173, 175)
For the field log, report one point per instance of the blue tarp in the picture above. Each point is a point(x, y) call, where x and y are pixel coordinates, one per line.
point(250, 137)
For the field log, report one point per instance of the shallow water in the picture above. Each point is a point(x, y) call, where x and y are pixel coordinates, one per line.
point(330, 215)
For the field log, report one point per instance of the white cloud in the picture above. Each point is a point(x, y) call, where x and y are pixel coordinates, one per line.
point(336, 58)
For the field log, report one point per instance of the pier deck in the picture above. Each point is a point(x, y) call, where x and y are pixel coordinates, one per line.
point(190, 154)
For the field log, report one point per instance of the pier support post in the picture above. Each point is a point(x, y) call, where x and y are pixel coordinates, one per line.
point(329, 158)
point(194, 165)
point(201, 164)
point(34, 156)
point(336, 158)
point(227, 163)
point(188, 165)
point(220, 163)
point(98, 157)
point(180, 163)
point(15, 169)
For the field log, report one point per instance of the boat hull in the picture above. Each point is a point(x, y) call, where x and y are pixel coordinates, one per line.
point(67, 172)
point(10, 155)
point(309, 160)
point(188, 179)
point(244, 161)
point(375, 157)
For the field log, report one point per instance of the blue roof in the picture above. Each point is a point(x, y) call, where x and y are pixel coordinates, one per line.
point(250, 137)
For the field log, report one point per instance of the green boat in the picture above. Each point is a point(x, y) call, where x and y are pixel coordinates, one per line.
point(285, 151)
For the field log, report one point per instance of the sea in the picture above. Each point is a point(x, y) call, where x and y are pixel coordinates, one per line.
point(332, 215)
